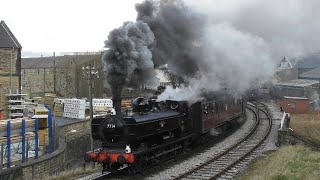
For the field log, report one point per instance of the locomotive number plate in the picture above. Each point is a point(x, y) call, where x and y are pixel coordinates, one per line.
point(111, 126)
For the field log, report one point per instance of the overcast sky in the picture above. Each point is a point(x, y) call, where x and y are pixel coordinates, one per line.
point(45, 26)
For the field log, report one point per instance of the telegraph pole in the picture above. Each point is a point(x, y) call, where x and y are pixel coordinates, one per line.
point(54, 73)
point(90, 93)
point(90, 74)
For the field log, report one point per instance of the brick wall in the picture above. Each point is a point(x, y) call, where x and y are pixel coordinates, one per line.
point(80, 138)
point(14, 173)
point(44, 166)
point(301, 105)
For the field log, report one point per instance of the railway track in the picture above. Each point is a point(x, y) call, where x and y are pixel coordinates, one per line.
point(224, 165)
point(95, 176)
point(105, 175)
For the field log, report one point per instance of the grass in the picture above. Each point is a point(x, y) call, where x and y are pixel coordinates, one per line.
point(292, 162)
point(75, 173)
point(306, 126)
point(289, 162)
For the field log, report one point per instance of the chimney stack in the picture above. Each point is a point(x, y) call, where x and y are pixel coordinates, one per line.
point(117, 105)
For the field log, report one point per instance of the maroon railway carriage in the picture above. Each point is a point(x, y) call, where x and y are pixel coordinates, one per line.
point(207, 115)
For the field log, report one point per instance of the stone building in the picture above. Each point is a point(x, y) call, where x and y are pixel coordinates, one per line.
point(10, 66)
point(62, 75)
point(296, 88)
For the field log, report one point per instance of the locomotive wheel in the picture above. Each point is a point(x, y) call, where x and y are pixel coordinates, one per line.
point(113, 167)
point(139, 164)
point(225, 127)
point(104, 167)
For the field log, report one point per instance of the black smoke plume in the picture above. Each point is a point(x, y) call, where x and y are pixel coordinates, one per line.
point(128, 59)
point(177, 31)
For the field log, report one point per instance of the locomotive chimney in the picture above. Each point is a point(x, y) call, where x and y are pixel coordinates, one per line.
point(117, 104)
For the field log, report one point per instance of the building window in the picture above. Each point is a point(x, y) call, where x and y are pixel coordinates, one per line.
point(293, 105)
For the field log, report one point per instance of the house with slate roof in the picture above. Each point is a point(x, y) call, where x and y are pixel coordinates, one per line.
point(10, 65)
point(285, 70)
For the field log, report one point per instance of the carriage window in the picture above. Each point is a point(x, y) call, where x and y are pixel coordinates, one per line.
point(211, 108)
point(221, 107)
point(205, 110)
point(226, 107)
point(216, 107)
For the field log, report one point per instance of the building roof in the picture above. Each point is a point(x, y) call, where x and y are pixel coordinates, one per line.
point(298, 83)
point(7, 39)
point(285, 63)
point(310, 61)
point(313, 74)
point(61, 61)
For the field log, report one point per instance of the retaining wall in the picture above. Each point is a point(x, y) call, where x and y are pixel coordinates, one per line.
point(70, 148)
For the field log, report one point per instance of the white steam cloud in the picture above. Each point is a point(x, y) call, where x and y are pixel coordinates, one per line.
point(289, 27)
point(243, 41)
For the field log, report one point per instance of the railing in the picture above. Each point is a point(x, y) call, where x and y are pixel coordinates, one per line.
point(24, 141)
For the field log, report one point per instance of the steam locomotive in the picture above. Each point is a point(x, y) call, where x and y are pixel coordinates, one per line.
point(156, 129)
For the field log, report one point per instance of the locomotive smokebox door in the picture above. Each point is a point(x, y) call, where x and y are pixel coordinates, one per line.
point(112, 129)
